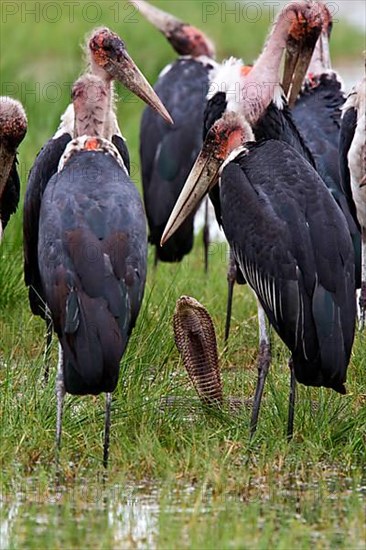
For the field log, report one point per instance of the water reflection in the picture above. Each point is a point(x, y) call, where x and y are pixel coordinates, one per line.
point(135, 520)
point(137, 515)
point(7, 519)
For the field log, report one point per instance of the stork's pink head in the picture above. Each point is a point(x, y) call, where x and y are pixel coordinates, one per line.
point(104, 46)
point(110, 60)
point(13, 122)
point(185, 39)
point(188, 40)
point(13, 127)
point(226, 135)
point(307, 20)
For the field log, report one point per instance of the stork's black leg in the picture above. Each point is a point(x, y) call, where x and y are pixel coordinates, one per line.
point(48, 345)
point(362, 300)
point(107, 427)
point(206, 235)
point(60, 394)
point(156, 259)
point(291, 404)
point(264, 361)
point(231, 278)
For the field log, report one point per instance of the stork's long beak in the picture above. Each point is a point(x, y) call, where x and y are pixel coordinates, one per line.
point(127, 72)
point(164, 22)
point(299, 51)
point(297, 61)
point(203, 177)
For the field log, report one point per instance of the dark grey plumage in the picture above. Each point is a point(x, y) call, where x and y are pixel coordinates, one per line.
point(293, 246)
point(92, 261)
point(168, 152)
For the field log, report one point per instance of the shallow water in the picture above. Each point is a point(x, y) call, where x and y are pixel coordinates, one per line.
point(131, 516)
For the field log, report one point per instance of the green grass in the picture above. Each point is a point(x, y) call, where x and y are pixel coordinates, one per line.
point(179, 477)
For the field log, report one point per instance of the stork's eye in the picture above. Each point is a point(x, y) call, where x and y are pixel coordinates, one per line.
point(107, 45)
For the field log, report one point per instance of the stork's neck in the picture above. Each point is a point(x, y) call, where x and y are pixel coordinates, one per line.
point(110, 123)
point(262, 85)
point(267, 66)
point(89, 121)
point(91, 106)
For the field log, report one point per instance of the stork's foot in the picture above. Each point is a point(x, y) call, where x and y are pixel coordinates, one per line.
point(206, 245)
point(231, 278)
point(107, 428)
point(206, 236)
point(264, 361)
point(362, 304)
point(60, 394)
point(46, 355)
point(291, 404)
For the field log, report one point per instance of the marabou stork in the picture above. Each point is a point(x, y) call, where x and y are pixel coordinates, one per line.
point(168, 152)
point(262, 105)
point(256, 91)
point(257, 94)
point(292, 244)
point(352, 156)
point(13, 127)
point(92, 253)
point(108, 59)
point(317, 114)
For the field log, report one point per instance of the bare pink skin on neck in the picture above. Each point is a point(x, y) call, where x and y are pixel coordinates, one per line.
point(263, 81)
point(99, 71)
point(91, 102)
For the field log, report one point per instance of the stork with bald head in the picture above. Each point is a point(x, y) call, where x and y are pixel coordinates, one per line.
point(256, 93)
point(168, 152)
point(317, 113)
point(91, 204)
point(291, 243)
point(109, 60)
point(13, 127)
point(233, 117)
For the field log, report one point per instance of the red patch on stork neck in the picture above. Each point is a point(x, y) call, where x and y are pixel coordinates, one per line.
point(227, 140)
point(246, 70)
point(312, 80)
point(92, 144)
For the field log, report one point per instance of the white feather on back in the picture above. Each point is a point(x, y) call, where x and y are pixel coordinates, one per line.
point(357, 151)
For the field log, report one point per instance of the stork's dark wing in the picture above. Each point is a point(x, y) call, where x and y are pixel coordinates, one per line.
point(44, 167)
point(10, 197)
point(121, 146)
point(168, 152)
point(292, 244)
point(317, 114)
point(92, 258)
point(276, 123)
